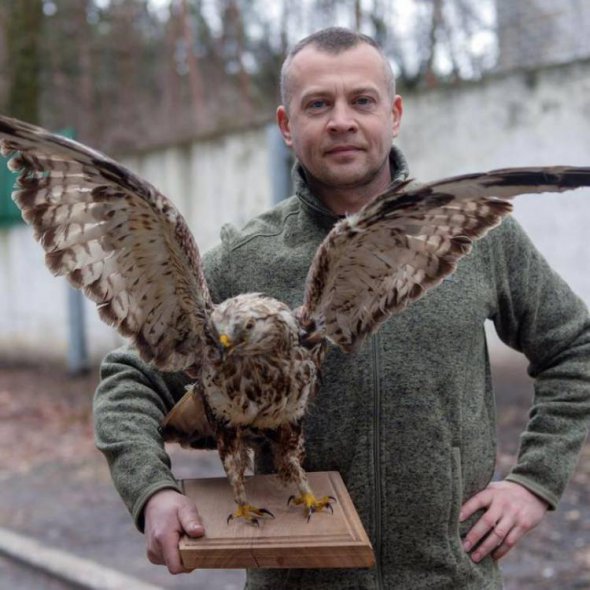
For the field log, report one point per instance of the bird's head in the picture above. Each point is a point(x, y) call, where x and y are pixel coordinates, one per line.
point(252, 324)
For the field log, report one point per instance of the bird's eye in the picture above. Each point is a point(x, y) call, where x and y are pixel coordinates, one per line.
point(249, 325)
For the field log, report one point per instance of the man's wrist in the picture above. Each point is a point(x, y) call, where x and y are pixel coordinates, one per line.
point(138, 511)
point(541, 492)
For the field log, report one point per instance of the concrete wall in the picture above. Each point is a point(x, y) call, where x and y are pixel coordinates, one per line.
point(511, 120)
point(33, 317)
point(518, 119)
point(213, 181)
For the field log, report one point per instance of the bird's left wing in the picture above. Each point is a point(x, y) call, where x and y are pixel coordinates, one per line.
point(376, 262)
point(114, 236)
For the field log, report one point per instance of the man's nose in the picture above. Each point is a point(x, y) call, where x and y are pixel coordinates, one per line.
point(342, 119)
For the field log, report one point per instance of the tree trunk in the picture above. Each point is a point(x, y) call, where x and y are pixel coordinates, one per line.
point(194, 70)
point(24, 24)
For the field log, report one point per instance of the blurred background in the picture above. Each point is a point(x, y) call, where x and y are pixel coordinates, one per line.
point(184, 93)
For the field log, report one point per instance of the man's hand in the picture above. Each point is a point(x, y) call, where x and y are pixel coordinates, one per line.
point(511, 512)
point(168, 515)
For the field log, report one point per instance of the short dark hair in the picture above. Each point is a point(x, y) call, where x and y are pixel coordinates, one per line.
point(332, 40)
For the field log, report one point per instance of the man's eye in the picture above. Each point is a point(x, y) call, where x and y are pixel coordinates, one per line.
point(364, 101)
point(316, 104)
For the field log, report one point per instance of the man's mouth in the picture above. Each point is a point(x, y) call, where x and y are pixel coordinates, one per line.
point(342, 149)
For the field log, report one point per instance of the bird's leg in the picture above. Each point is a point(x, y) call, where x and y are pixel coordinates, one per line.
point(234, 456)
point(288, 449)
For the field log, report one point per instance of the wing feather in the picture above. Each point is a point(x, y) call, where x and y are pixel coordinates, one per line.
point(114, 236)
point(406, 241)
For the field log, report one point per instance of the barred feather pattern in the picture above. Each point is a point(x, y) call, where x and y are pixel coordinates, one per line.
point(376, 262)
point(117, 238)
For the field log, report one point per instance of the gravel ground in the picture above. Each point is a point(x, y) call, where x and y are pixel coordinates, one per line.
point(55, 486)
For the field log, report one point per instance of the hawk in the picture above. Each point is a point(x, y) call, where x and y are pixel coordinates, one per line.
point(254, 361)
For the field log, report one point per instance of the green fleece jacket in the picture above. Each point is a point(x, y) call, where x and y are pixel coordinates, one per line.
point(408, 419)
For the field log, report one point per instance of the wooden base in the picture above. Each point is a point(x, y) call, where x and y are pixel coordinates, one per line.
point(287, 541)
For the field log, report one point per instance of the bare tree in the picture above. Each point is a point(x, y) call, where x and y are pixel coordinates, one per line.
point(24, 25)
point(233, 41)
point(127, 76)
point(358, 15)
point(194, 68)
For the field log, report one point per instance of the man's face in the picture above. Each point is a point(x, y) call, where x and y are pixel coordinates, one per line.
point(341, 119)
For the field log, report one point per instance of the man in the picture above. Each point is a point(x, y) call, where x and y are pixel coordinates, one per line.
point(408, 419)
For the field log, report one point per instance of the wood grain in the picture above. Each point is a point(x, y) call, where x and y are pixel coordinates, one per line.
point(288, 541)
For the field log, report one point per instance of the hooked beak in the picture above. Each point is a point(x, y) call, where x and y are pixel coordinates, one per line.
point(224, 344)
point(225, 341)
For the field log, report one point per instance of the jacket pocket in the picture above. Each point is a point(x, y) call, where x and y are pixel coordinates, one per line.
point(456, 502)
point(458, 530)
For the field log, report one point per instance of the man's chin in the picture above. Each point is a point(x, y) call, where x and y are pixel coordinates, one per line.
point(345, 179)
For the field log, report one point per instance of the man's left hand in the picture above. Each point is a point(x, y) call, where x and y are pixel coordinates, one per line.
point(511, 512)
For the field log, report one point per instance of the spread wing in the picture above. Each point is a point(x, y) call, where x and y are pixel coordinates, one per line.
point(114, 236)
point(376, 262)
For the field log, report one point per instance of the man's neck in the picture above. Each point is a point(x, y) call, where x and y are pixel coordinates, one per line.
point(347, 200)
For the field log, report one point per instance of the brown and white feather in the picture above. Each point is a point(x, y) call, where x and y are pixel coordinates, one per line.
point(376, 262)
point(117, 238)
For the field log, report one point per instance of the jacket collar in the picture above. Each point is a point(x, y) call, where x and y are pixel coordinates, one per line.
point(314, 206)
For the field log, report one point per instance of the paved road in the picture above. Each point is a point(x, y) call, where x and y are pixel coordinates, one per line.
point(73, 506)
point(55, 487)
point(14, 576)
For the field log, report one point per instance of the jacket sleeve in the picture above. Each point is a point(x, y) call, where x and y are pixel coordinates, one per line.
point(539, 315)
point(130, 402)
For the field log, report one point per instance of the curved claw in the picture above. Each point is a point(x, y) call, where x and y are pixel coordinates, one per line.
point(328, 505)
point(312, 504)
point(249, 514)
point(265, 511)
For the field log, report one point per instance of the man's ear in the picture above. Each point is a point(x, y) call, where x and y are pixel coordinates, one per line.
point(397, 109)
point(284, 125)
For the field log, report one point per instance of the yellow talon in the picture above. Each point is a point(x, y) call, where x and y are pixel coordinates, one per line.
point(312, 504)
point(249, 513)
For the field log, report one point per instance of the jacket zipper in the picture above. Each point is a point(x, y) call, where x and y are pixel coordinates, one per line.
point(376, 454)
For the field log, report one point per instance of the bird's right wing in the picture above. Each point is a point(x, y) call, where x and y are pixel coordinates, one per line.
point(113, 235)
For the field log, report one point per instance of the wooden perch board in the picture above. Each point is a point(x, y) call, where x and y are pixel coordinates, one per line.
point(288, 541)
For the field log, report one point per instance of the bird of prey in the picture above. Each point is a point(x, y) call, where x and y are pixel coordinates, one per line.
point(254, 361)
